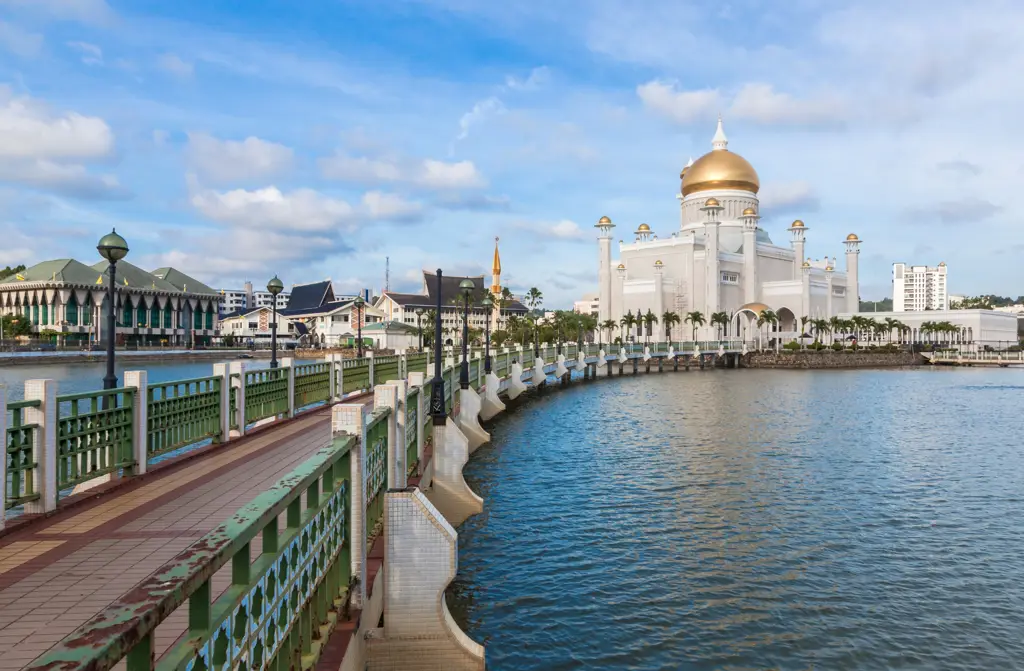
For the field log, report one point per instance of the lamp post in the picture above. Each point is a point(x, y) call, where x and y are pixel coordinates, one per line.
point(274, 286)
point(437, 410)
point(488, 306)
point(113, 248)
point(466, 287)
point(359, 326)
point(419, 325)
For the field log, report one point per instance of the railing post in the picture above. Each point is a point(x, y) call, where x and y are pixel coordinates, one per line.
point(221, 371)
point(403, 366)
point(237, 368)
point(340, 377)
point(417, 379)
point(348, 418)
point(288, 364)
point(44, 443)
point(369, 367)
point(332, 365)
point(3, 456)
point(139, 381)
point(387, 396)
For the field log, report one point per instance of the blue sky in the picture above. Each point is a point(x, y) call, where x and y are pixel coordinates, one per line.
point(313, 139)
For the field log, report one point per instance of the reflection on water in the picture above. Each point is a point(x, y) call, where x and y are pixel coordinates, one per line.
point(753, 520)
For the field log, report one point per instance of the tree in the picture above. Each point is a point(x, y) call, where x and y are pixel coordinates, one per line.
point(9, 271)
point(609, 325)
point(14, 326)
point(587, 324)
point(650, 319)
point(721, 320)
point(820, 326)
point(534, 299)
point(695, 319)
point(627, 323)
point(767, 316)
point(668, 320)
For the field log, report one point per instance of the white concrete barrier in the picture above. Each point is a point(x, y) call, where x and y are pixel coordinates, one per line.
point(516, 386)
point(469, 419)
point(448, 489)
point(492, 405)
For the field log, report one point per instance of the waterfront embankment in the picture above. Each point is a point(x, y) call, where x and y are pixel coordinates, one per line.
point(150, 356)
point(812, 359)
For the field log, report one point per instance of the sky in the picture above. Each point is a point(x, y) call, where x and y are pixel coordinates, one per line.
point(313, 139)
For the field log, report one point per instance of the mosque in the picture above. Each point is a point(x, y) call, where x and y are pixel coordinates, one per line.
point(720, 260)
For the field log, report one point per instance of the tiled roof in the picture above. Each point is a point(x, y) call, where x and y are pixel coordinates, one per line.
point(67, 271)
point(306, 296)
point(183, 282)
point(449, 289)
point(390, 327)
point(133, 276)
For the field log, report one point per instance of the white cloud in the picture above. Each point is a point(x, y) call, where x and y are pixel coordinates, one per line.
point(19, 41)
point(564, 229)
point(780, 198)
point(90, 53)
point(236, 160)
point(85, 11)
point(428, 173)
point(28, 130)
point(67, 179)
point(537, 78)
point(481, 110)
point(388, 206)
point(174, 65)
point(761, 103)
point(682, 107)
point(303, 210)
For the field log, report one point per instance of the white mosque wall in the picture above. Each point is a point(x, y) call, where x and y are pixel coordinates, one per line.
point(733, 200)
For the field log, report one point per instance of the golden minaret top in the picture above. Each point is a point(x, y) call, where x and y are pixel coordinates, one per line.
point(496, 271)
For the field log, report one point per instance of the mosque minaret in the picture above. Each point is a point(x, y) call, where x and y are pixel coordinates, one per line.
point(720, 260)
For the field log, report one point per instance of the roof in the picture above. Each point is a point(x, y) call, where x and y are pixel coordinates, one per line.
point(306, 296)
point(324, 309)
point(183, 281)
point(133, 276)
point(390, 327)
point(67, 271)
point(428, 303)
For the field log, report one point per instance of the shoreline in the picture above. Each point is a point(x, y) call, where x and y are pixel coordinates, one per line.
point(128, 356)
point(819, 360)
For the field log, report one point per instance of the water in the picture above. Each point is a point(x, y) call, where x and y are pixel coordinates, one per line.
point(82, 377)
point(753, 520)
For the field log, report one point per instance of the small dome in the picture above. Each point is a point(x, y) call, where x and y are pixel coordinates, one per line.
point(643, 227)
point(807, 264)
point(942, 264)
point(829, 268)
point(658, 263)
point(711, 202)
point(750, 212)
point(797, 224)
point(622, 266)
point(852, 237)
point(604, 220)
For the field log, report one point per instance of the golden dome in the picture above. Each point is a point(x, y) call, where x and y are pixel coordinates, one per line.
point(711, 202)
point(807, 264)
point(851, 237)
point(604, 220)
point(750, 212)
point(720, 169)
point(942, 264)
point(658, 263)
point(829, 268)
point(797, 224)
point(643, 227)
point(622, 266)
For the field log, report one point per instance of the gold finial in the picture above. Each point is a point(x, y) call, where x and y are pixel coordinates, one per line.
point(711, 202)
point(797, 224)
point(852, 237)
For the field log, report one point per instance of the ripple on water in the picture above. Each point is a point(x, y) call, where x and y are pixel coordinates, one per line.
point(752, 520)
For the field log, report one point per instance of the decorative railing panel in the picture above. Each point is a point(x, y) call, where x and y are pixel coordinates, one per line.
point(21, 464)
point(411, 426)
point(233, 401)
point(182, 413)
point(416, 363)
point(376, 467)
point(93, 440)
point(385, 368)
point(266, 393)
point(312, 384)
point(356, 377)
point(277, 609)
point(474, 372)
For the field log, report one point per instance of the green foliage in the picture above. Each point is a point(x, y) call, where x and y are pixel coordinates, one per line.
point(884, 305)
point(15, 325)
point(8, 272)
point(791, 346)
point(837, 347)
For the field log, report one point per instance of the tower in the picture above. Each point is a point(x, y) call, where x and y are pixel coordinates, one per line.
point(712, 275)
point(750, 218)
point(659, 300)
point(829, 269)
point(604, 265)
point(796, 232)
point(852, 284)
point(496, 288)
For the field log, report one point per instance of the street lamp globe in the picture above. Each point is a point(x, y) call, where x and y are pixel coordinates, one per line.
point(275, 286)
point(112, 247)
point(487, 302)
point(466, 287)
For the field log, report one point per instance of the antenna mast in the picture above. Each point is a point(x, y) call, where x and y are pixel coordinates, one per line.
point(387, 273)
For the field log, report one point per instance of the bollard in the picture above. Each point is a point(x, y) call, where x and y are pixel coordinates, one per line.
point(138, 380)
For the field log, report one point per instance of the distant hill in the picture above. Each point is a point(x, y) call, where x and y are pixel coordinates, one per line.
point(884, 305)
point(8, 272)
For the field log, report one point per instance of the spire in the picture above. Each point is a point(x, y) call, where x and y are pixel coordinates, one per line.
point(690, 162)
point(496, 271)
point(719, 141)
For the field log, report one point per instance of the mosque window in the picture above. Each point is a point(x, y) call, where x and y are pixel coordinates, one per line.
point(730, 278)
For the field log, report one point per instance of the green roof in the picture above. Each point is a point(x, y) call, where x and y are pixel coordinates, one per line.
point(68, 271)
point(133, 276)
point(183, 282)
point(392, 326)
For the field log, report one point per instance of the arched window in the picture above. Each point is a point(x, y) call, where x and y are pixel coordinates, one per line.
point(71, 311)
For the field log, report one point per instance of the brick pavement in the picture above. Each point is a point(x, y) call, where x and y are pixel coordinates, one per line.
point(57, 574)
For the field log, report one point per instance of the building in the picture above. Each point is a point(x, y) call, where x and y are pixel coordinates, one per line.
point(919, 288)
point(719, 260)
point(589, 305)
point(314, 316)
point(163, 307)
point(246, 299)
point(412, 309)
point(977, 328)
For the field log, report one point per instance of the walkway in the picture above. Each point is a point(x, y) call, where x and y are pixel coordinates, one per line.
point(57, 574)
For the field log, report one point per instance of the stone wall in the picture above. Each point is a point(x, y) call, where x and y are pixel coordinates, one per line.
point(831, 359)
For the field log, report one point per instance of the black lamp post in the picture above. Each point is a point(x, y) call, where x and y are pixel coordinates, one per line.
point(437, 410)
point(488, 306)
point(558, 334)
point(466, 287)
point(359, 326)
point(113, 248)
point(274, 286)
point(536, 338)
point(419, 325)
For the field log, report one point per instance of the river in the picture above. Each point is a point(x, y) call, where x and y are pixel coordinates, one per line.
point(752, 519)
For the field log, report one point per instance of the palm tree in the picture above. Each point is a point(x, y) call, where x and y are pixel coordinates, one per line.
point(721, 319)
point(534, 299)
point(820, 326)
point(668, 320)
point(627, 322)
point(650, 319)
point(608, 325)
point(695, 318)
point(767, 316)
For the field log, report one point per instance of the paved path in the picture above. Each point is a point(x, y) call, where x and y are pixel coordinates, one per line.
point(56, 575)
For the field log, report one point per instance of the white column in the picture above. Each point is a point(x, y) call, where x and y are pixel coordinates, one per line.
point(604, 272)
point(44, 443)
point(621, 311)
point(796, 232)
point(139, 381)
point(852, 282)
point(387, 396)
point(237, 370)
point(750, 256)
point(712, 272)
point(288, 363)
point(805, 292)
point(348, 419)
point(222, 371)
point(332, 368)
point(659, 300)
point(828, 290)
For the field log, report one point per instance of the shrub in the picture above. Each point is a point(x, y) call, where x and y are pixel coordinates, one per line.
point(791, 346)
point(837, 347)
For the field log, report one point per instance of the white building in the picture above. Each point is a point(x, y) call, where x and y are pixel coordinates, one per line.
point(919, 288)
point(718, 260)
point(247, 299)
point(590, 304)
point(977, 328)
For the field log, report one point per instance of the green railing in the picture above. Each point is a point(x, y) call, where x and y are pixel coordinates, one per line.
point(93, 440)
point(474, 373)
point(411, 428)
point(233, 401)
point(356, 376)
point(385, 368)
point(21, 484)
point(528, 358)
point(278, 609)
point(266, 393)
point(416, 363)
point(376, 467)
point(500, 364)
point(312, 384)
point(182, 413)
point(449, 377)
